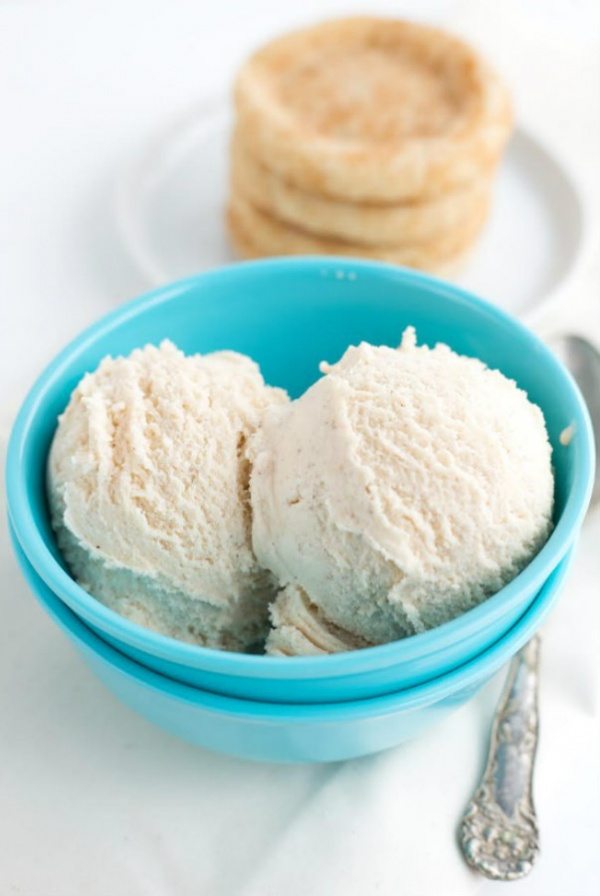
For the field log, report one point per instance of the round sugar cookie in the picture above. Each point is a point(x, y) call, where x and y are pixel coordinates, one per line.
point(255, 235)
point(369, 109)
point(361, 223)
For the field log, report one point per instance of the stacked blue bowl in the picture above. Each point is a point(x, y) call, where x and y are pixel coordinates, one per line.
point(289, 314)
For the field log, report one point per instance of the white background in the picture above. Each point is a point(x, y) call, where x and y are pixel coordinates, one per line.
point(92, 799)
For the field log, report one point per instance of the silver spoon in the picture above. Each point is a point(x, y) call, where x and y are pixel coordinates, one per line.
point(583, 360)
point(498, 833)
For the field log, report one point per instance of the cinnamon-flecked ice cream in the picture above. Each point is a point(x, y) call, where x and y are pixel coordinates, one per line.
point(148, 489)
point(403, 488)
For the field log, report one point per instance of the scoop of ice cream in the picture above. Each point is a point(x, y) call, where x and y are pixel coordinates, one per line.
point(298, 628)
point(403, 488)
point(149, 492)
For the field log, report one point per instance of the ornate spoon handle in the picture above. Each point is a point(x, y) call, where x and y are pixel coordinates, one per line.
point(499, 833)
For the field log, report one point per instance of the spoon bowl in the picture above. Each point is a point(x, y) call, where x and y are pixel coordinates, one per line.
point(583, 360)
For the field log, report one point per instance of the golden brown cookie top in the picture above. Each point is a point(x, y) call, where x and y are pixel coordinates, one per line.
point(338, 99)
point(366, 81)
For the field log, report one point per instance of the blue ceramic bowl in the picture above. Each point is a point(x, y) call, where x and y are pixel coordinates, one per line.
point(289, 314)
point(274, 732)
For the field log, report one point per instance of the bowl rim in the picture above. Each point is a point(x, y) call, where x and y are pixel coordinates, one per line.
point(340, 664)
point(424, 694)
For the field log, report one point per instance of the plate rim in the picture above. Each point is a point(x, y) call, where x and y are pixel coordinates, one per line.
point(182, 128)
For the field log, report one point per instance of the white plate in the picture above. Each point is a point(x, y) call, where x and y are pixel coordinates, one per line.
point(170, 208)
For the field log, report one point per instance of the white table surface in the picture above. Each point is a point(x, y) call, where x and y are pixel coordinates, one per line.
point(95, 801)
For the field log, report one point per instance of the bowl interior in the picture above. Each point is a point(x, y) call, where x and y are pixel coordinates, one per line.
point(289, 314)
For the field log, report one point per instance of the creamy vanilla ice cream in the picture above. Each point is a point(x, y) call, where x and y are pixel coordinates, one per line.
point(299, 627)
point(403, 488)
point(148, 484)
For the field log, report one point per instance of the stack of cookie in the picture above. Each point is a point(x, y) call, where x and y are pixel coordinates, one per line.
point(365, 137)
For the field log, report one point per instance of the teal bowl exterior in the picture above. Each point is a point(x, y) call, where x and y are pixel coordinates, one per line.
point(272, 732)
point(289, 314)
